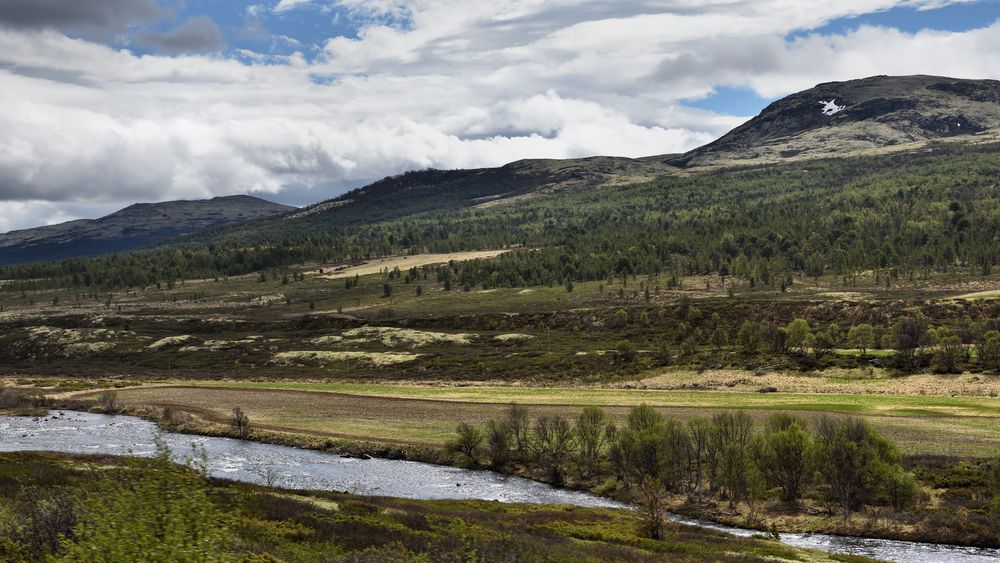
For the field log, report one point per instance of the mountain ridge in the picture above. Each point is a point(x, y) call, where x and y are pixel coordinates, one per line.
point(840, 118)
point(874, 115)
point(833, 119)
point(137, 225)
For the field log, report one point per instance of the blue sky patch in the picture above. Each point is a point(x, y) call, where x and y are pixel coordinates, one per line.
point(732, 101)
point(954, 17)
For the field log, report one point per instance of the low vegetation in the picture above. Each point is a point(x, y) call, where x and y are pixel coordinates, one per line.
point(721, 466)
point(104, 509)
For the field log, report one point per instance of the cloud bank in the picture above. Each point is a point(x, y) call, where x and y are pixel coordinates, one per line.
point(88, 127)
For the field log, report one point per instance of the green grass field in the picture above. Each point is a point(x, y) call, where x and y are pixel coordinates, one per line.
point(952, 426)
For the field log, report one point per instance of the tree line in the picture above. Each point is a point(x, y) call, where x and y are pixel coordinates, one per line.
point(901, 216)
point(650, 457)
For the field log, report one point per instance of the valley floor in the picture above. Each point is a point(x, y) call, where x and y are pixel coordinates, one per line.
point(413, 421)
point(426, 415)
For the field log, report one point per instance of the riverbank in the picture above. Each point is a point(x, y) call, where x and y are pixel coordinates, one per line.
point(941, 520)
point(302, 469)
point(251, 522)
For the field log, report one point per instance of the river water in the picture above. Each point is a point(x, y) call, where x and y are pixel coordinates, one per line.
point(281, 466)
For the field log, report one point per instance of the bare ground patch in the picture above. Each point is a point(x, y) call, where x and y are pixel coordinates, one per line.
point(406, 262)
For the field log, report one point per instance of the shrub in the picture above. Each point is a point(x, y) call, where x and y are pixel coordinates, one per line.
point(989, 352)
point(109, 401)
point(592, 432)
point(467, 442)
point(625, 352)
point(854, 460)
point(498, 444)
point(240, 423)
point(862, 337)
point(749, 337)
point(519, 425)
point(799, 335)
point(784, 455)
point(901, 489)
point(161, 515)
point(620, 319)
point(554, 443)
point(948, 355)
point(908, 335)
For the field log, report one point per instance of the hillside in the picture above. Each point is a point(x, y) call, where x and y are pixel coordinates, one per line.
point(839, 118)
point(135, 226)
point(436, 190)
point(869, 116)
point(835, 119)
point(898, 187)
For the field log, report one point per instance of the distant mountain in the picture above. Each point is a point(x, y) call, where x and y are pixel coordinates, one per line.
point(440, 190)
point(841, 118)
point(135, 226)
point(833, 119)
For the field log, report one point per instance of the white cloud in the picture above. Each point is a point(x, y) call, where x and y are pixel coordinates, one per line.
point(285, 5)
point(427, 83)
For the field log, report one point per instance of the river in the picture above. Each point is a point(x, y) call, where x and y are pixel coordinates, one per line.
point(281, 466)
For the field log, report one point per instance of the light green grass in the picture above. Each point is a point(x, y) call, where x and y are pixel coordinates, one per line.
point(583, 396)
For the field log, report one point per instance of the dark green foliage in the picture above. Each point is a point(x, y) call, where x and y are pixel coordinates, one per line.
point(499, 440)
point(898, 215)
point(995, 477)
point(625, 352)
point(593, 430)
point(652, 457)
point(901, 489)
point(555, 442)
point(862, 337)
point(784, 455)
point(854, 460)
point(908, 336)
point(989, 351)
point(749, 337)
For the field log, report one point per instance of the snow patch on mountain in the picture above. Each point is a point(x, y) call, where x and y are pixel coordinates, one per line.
point(831, 107)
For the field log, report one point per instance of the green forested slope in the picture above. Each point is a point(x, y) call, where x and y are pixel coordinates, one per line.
point(936, 209)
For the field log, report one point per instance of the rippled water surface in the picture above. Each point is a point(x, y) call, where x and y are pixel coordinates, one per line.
point(86, 433)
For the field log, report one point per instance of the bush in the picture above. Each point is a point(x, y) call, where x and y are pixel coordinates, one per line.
point(949, 352)
point(901, 490)
point(161, 515)
point(995, 477)
point(498, 444)
point(854, 460)
point(749, 337)
point(989, 352)
point(240, 423)
point(554, 441)
point(799, 335)
point(467, 442)
point(784, 455)
point(620, 319)
point(862, 337)
point(625, 352)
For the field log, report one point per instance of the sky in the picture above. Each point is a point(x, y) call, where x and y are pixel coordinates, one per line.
point(105, 103)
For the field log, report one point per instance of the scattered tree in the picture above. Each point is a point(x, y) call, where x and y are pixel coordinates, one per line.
point(749, 337)
point(467, 442)
point(862, 337)
point(240, 423)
